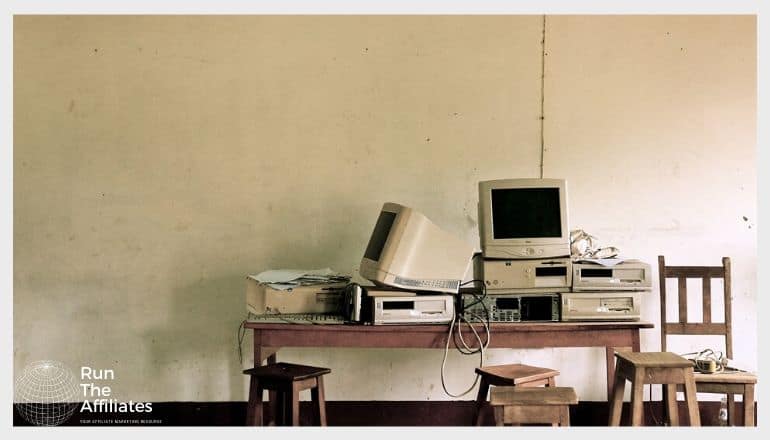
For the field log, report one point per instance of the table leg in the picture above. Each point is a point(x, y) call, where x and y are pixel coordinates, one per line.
point(748, 405)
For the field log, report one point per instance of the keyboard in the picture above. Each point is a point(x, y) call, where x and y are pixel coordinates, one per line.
point(297, 318)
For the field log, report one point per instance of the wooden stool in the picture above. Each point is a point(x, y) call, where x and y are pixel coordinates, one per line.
point(515, 405)
point(664, 368)
point(510, 375)
point(287, 380)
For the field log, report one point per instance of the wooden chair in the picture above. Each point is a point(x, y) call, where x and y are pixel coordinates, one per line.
point(516, 405)
point(729, 382)
point(510, 375)
point(287, 380)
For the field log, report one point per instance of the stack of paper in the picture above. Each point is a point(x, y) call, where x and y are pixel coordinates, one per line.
point(285, 279)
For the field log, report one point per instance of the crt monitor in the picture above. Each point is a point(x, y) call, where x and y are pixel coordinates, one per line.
point(523, 218)
point(408, 251)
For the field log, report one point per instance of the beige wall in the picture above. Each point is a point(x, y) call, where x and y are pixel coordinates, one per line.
point(157, 160)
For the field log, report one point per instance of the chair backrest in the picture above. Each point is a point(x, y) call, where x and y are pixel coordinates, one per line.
point(707, 327)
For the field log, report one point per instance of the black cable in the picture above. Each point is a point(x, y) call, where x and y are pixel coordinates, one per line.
point(477, 300)
point(463, 347)
point(241, 334)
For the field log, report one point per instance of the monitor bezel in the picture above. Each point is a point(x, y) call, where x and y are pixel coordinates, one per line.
point(486, 232)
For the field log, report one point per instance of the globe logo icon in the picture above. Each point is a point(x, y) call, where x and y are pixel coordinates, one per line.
point(46, 394)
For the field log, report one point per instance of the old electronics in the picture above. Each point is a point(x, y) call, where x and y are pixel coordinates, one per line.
point(403, 307)
point(353, 302)
point(319, 298)
point(527, 276)
point(406, 250)
point(512, 307)
point(600, 306)
point(628, 275)
point(523, 218)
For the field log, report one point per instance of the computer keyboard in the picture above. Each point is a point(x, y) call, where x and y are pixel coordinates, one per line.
point(297, 318)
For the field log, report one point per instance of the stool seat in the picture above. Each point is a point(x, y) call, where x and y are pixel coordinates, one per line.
point(515, 374)
point(517, 405)
point(520, 375)
point(285, 381)
point(286, 371)
point(663, 359)
point(666, 368)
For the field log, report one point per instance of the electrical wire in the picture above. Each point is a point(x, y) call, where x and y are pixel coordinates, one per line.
point(240, 335)
point(708, 361)
point(463, 347)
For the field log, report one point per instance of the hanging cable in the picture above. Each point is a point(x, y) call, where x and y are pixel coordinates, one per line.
point(463, 347)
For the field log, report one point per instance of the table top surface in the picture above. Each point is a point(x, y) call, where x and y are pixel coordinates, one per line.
point(432, 328)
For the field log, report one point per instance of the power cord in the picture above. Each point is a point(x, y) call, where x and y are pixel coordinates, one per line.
point(463, 346)
point(708, 361)
point(239, 336)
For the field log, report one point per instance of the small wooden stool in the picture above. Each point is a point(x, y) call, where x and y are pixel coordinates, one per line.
point(664, 368)
point(287, 380)
point(510, 375)
point(515, 405)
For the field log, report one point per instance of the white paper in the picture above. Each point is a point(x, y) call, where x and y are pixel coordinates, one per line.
point(607, 262)
point(287, 279)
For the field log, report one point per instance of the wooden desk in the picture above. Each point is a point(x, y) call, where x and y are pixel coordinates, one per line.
point(268, 338)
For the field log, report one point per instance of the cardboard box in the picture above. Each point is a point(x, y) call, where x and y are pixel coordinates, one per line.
point(319, 298)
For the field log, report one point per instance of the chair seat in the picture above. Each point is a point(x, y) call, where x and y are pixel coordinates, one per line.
point(515, 374)
point(663, 359)
point(726, 377)
point(512, 395)
point(286, 371)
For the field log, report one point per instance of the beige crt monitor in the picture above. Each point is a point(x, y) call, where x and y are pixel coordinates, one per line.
point(523, 218)
point(408, 251)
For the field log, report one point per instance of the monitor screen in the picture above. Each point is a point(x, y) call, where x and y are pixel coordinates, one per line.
point(525, 213)
point(379, 235)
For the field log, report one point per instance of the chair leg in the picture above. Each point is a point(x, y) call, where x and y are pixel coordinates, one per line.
point(692, 401)
point(616, 405)
point(293, 405)
point(551, 382)
point(499, 418)
point(637, 398)
point(481, 399)
point(564, 416)
point(748, 405)
point(731, 410)
point(319, 403)
point(279, 408)
point(254, 408)
point(671, 409)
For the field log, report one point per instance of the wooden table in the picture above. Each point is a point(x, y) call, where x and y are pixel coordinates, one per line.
point(269, 338)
